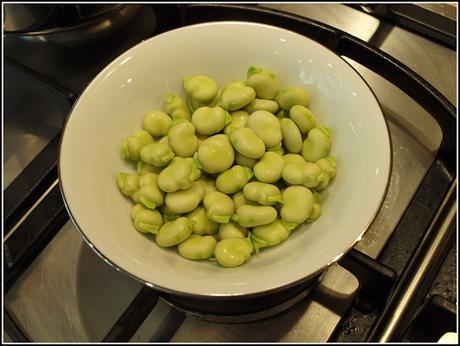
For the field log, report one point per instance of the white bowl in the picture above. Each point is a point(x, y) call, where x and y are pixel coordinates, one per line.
point(113, 105)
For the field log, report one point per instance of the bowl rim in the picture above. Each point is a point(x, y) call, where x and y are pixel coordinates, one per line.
point(230, 296)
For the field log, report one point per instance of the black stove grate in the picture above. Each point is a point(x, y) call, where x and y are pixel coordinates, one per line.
point(39, 227)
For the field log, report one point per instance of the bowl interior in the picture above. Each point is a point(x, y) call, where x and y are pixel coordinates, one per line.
point(113, 105)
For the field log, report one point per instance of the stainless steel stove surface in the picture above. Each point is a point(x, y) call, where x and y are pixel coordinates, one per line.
point(68, 294)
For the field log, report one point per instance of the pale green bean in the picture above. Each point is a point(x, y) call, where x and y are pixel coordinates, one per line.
point(200, 88)
point(182, 139)
point(197, 247)
point(233, 179)
point(293, 96)
point(215, 154)
point(268, 169)
point(233, 252)
point(184, 201)
point(157, 123)
point(292, 138)
point(219, 206)
point(174, 232)
point(262, 193)
point(202, 225)
point(132, 145)
point(317, 144)
point(265, 83)
point(297, 206)
point(157, 154)
point(267, 127)
point(252, 216)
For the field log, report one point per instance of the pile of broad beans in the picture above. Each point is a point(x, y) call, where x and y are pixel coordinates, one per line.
point(226, 172)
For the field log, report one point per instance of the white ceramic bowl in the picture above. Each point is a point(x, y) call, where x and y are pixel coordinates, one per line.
point(113, 105)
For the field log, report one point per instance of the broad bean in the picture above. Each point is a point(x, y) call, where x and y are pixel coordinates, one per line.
point(328, 166)
point(262, 105)
point(297, 206)
point(182, 139)
point(292, 138)
point(178, 175)
point(267, 127)
point(177, 108)
point(268, 169)
point(269, 235)
point(239, 200)
point(264, 82)
point(219, 206)
point(233, 252)
point(209, 185)
point(252, 215)
point(157, 123)
point(245, 161)
point(234, 179)
point(174, 232)
point(142, 168)
point(315, 213)
point(262, 193)
point(247, 143)
point(293, 96)
point(215, 154)
point(303, 173)
point(293, 158)
point(209, 121)
point(146, 220)
point(128, 183)
point(232, 230)
point(149, 193)
point(317, 144)
point(239, 119)
point(303, 118)
point(197, 247)
point(236, 95)
point(157, 154)
point(133, 144)
point(184, 201)
point(201, 223)
point(200, 88)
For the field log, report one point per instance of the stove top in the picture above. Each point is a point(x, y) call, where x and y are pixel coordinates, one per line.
point(58, 290)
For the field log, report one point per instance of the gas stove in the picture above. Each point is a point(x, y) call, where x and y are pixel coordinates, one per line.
point(397, 284)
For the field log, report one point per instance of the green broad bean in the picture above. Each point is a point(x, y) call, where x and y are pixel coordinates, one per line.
point(262, 193)
point(265, 83)
point(219, 206)
point(209, 121)
point(133, 144)
point(146, 220)
point(297, 206)
point(232, 230)
point(262, 105)
point(245, 161)
point(239, 119)
point(200, 88)
point(303, 118)
point(247, 143)
point(168, 215)
point(267, 127)
point(178, 175)
point(293, 158)
point(236, 95)
point(135, 209)
point(202, 225)
point(293, 96)
point(328, 166)
point(315, 213)
point(174, 232)
point(128, 183)
point(233, 179)
point(184, 201)
point(215, 154)
point(157, 154)
point(182, 139)
point(177, 108)
point(233, 252)
point(142, 168)
point(164, 140)
point(254, 215)
point(149, 193)
point(281, 114)
point(292, 138)
point(279, 149)
point(209, 185)
point(239, 200)
point(197, 247)
point(269, 235)
point(157, 123)
point(317, 144)
point(268, 169)
point(305, 173)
